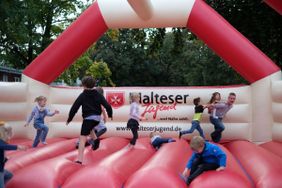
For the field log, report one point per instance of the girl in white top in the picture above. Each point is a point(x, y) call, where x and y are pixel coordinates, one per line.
point(134, 117)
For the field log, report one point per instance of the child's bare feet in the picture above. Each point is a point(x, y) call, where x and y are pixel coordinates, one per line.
point(130, 146)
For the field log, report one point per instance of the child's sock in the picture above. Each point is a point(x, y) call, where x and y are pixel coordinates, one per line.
point(183, 177)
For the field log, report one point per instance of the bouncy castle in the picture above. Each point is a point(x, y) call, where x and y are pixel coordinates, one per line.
point(253, 127)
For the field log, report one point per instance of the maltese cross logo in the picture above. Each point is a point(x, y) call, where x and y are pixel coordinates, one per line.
point(115, 99)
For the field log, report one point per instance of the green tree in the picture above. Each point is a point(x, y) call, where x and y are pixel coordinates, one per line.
point(101, 72)
point(28, 27)
point(138, 57)
point(256, 21)
point(76, 70)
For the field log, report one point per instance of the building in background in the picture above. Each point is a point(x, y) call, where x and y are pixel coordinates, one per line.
point(8, 74)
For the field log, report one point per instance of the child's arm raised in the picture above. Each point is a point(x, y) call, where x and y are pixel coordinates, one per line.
point(48, 113)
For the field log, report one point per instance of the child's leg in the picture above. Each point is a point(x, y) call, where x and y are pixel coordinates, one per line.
point(101, 132)
point(191, 130)
point(44, 133)
point(199, 170)
point(93, 135)
point(2, 185)
point(7, 176)
point(159, 141)
point(86, 128)
point(201, 132)
point(37, 138)
point(95, 141)
point(134, 131)
point(81, 147)
point(218, 128)
point(77, 144)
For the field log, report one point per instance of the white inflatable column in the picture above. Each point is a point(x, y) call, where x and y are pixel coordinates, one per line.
point(277, 108)
point(262, 108)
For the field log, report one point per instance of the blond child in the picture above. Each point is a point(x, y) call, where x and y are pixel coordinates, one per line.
point(5, 136)
point(206, 156)
point(134, 117)
point(157, 141)
point(39, 112)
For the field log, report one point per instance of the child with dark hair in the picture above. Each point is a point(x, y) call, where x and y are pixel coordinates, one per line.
point(157, 141)
point(91, 101)
point(199, 109)
point(220, 109)
point(206, 156)
point(215, 98)
point(100, 129)
point(39, 112)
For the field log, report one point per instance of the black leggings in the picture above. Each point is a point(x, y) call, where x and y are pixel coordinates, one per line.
point(134, 126)
point(198, 168)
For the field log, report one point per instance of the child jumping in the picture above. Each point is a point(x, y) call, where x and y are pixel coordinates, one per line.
point(134, 117)
point(206, 156)
point(157, 141)
point(5, 136)
point(91, 101)
point(215, 98)
point(38, 113)
point(100, 129)
point(199, 109)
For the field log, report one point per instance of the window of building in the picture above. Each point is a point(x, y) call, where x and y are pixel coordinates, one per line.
point(5, 78)
point(17, 79)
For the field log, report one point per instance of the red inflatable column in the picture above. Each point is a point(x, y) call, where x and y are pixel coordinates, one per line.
point(229, 44)
point(68, 46)
point(275, 4)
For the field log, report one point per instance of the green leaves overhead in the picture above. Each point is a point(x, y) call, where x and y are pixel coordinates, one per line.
point(28, 27)
point(136, 57)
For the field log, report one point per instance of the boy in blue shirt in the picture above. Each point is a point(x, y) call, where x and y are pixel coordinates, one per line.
point(206, 156)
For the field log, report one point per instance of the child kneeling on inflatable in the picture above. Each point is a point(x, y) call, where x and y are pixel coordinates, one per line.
point(206, 156)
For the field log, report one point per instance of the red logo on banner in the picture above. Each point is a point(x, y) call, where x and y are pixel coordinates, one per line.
point(115, 99)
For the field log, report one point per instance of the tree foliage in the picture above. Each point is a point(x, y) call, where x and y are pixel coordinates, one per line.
point(28, 27)
point(137, 57)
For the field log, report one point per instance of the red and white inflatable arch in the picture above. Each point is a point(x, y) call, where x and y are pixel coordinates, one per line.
point(255, 116)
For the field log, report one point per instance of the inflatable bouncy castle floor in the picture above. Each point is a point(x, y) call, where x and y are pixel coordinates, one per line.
point(253, 127)
point(115, 165)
